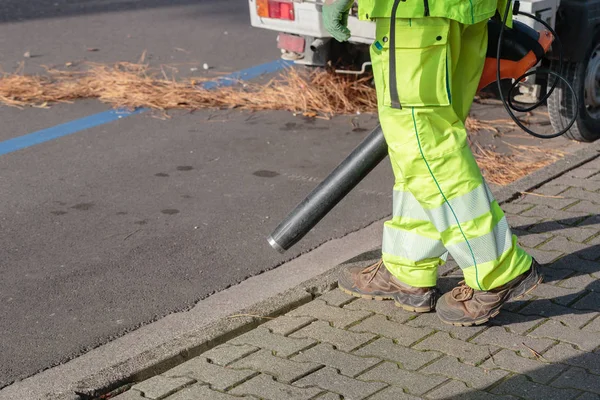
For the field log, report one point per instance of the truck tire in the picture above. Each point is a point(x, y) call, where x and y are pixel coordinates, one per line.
point(584, 76)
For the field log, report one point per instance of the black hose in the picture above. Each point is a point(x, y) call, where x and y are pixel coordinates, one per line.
point(366, 156)
point(508, 105)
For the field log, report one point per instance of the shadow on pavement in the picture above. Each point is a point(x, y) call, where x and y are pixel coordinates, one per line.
point(553, 226)
point(568, 375)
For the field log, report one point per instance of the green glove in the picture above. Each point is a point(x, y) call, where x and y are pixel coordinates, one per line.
point(335, 18)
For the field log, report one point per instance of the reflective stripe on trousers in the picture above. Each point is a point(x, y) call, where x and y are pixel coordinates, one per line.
point(441, 202)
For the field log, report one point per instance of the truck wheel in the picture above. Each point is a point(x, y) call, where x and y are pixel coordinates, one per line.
point(584, 76)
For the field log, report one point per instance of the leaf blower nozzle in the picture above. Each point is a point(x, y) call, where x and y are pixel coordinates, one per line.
point(366, 156)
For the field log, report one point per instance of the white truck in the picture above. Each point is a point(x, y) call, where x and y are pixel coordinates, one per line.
point(303, 38)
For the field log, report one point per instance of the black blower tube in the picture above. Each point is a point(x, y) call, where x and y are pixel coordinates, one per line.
point(366, 156)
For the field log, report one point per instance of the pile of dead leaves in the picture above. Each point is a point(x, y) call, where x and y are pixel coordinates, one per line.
point(318, 94)
point(128, 85)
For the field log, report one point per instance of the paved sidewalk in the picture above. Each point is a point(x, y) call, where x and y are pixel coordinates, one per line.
point(545, 346)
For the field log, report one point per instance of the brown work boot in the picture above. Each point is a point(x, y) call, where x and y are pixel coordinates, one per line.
point(375, 282)
point(465, 306)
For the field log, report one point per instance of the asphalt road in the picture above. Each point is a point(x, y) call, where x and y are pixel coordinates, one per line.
point(116, 226)
point(113, 227)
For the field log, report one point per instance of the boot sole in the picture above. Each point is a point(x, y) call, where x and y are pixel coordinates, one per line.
point(382, 298)
point(496, 312)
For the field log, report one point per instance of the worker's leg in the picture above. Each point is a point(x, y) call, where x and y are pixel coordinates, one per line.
point(411, 248)
point(428, 144)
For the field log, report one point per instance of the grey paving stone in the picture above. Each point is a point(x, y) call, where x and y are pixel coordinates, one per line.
point(265, 387)
point(218, 377)
point(551, 189)
point(497, 336)
point(413, 382)
point(458, 390)
point(583, 193)
point(158, 387)
point(393, 393)
point(571, 317)
point(515, 305)
point(584, 206)
point(555, 293)
point(336, 298)
point(594, 164)
point(538, 371)
point(386, 349)
point(576, 234)
point(284, 325)
point(466, 352)
point(581, 281)
point(566, 354)
point(516, 323)
point(544, 211)
point(592, 220)
point(534, 240)
point(329, 379)
point(431, 320)
point(404, 334)
point(593, 326)
point(329, 396)
point(592, 250)
point(554, 275)
point(282, 369)
point(582, 172)
point(283, 345)
point(518, 385)
point(347, 364)
point(387, 308)
point(590, 301)
point(227, 353)
point(595, 241)
point(586, 184)
point(343, 340)
point(545, 256)
point(475, 377)
point(556, 330)
point(578, 378)
point(515, 208)
point(521, 222)
point(589, 396)
point(564, 245)
point(571, 261)
point(340, 317)
point(200, 392)
point(129, 395)
point(555, 203)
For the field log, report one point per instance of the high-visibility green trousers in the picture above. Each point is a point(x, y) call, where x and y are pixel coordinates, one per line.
point(441, 203)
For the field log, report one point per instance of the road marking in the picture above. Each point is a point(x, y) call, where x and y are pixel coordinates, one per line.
point(68, 128)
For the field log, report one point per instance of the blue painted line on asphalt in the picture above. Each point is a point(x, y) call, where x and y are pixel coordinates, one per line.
point(21, 142)
point(68, 128)
point(247, 74)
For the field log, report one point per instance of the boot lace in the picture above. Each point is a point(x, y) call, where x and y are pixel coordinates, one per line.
point(462, 292)
point(372, 270)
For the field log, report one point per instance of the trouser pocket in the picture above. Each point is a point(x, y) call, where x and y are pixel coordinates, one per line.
point(418, 66)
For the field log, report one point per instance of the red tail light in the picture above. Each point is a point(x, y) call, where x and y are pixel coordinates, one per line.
point(275, 9)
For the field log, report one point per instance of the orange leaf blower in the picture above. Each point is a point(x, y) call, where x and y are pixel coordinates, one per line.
point(522, 48)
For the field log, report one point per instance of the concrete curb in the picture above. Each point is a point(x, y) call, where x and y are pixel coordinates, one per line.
point(165, 357)
point(168, 355)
